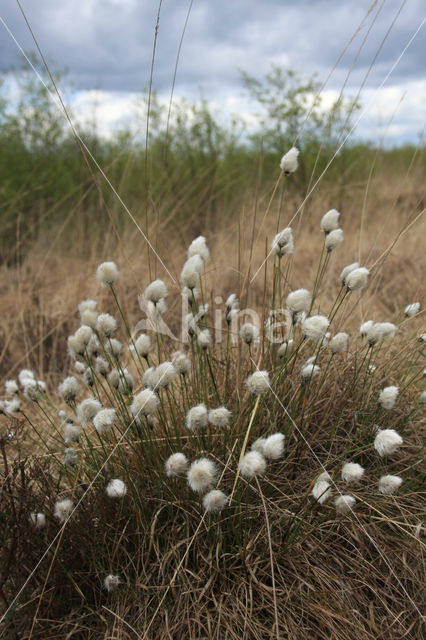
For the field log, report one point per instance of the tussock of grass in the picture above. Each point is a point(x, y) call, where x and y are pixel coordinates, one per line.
point(273, 553)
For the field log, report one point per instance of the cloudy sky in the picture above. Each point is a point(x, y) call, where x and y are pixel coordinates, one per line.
point(107, 46)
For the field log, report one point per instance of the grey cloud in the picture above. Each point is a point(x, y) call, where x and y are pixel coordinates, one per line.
point(108, 43)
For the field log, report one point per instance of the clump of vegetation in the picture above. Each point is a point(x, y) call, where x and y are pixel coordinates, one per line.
point(225, 467)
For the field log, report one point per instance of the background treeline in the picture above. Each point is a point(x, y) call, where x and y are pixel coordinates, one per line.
point(194, 165)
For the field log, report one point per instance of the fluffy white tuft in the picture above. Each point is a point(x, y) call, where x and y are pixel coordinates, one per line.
point(214, 501)
point(202, 475)
point(389, 484)
point(204, 339)
point(181, 363)
point(298, 301)
point(104, 420)
point(330, 221)
point(388, 396)
point(288, 162)
point(144, 403)
point(107, 273)
point(197, 417)
point(273, 447)
point(357, 279)
point(412, 309)
point(283, 242)
point(111, 582)
point(199, 247)
point(156, 291)
point(347, 270)
point(68, 389)
point(387, 441)
point(315, 327)
point(116, 488)
point(344, 504)
point(352, 472)
point(258, 382)
point(38, 520)
point(219, 417)
point(62, 509)
point(339, 343)
point(106, 324)
point(333, 239)
point(252, 464)
point(176, 465)
point(191, 271)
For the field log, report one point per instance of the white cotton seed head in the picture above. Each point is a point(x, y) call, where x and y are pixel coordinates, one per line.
point(165, 374)
point(201, 475)
point(101, 366)
point(321, 490)
point(176, 465)
point(149, 378)
point(104, 420)
point(106, 324)
point(191, 271)
point(87, 305)
point(286, 348)
point(232, 302)
point(352, 472)
point(68, 389)
point(12, 406)
point(252, 464)
point(219, 417)
point(379, 331)
point(339, 343)
point(143, 345)
point(357, 279)
point(197, 417)
point(199, 247)
point(288, 162)
point(71, 433)
point(387, 441)
point(422, 337)
point(214, 501)
point(412, 309)
point(93, 346)
point(107, 273)
point(333, 239)
point(298, 300)
point(283, 242)
point(38, 520)
point(116, 488)
point(344, 504)
point(309, 372)
point(80, 367)
point(181, 363)
point(156, 291)
point(78, 342)
point(347, 270)
point(11, 387)
point(70, 456)
point(388, 396)
point(273, 447)
point(365, 328)
point(249, 332)
point(144, 403)
point(25, 374)
point(111, 583)
point(258, 382)
point(258, 445)
point(422, 397)
point(389, 484)
point(62, 509)
point(89, 318)
point(315, 327)
point(330, 221)
point(204, 339)
point(114, 347)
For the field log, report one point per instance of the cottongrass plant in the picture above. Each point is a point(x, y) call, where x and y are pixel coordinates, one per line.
point(212, 471)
